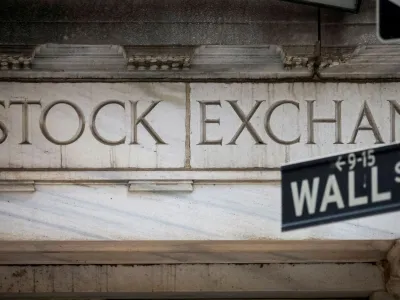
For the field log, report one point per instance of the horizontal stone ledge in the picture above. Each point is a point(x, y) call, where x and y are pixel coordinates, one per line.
point(52, 62)
point(269, 279)
point(17, 186)
point(124, 176)
point(175, 252)
point(157, 63)
point(196, 295)
point(363, 63)
point(242, 74)
point(160, 186)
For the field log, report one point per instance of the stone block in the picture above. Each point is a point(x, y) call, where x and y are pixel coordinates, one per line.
point(54, 134)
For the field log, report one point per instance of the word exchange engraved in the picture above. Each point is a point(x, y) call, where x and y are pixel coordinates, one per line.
point(92, 125)
point(341, 187)
point(267, 125)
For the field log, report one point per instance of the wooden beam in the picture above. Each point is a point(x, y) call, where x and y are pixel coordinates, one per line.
point(174, 252)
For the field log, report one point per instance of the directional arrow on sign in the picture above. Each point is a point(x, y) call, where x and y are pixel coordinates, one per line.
point(339, 163)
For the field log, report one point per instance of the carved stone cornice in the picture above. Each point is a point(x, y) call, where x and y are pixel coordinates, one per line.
point(59, 61)
point(335, 56)
point(15, 62)
point(15, 58)
point(393, 283)
point(148, 62)
point(162, 58)
point(206, 62)
point(298, 57)
point(362, 62)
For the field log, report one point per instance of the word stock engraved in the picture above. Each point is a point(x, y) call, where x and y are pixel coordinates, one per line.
point(46, 110)
point(364, 113)
point(341, 187)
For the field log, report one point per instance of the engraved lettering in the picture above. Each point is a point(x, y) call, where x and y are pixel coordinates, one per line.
point(204, 121)
point(43, 126)
point(311, 120)
point(3, 128)
point(267, 122)
point(394, 107)
point(141, 120)
point(93, 126)
point(25, 118)
point(245, 122)
point(366, 111)
point(365, 120)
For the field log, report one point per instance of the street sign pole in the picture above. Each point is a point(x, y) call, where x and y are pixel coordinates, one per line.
point(341, 187)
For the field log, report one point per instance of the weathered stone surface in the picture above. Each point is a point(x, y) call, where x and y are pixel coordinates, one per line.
point(381, 296)
point(78, 58)
point(177, 22)
point(59, 140)
point(346, 29)
point(393, 283)
point(159, 33)
point(243, 200)
point(173, 11)
point(112, 252)
point(229, 126)
point(364, 62)
point(229, 211)
point(285, 134)
point(269, 280)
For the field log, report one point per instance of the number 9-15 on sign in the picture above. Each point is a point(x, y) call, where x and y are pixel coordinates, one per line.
point(366, 158)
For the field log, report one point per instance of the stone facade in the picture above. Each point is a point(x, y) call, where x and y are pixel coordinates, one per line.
point(167, 122)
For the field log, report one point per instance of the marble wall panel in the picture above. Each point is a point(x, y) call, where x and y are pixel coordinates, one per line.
point(210, 212)
point(66, 205)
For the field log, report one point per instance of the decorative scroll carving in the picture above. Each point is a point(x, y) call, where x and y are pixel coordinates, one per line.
point(290, 62)
point(15, 62)
point(393, 283)
point(297, 57)
point(331, 57)
point(150, 62)
point(333, 60)
point(16, 57)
